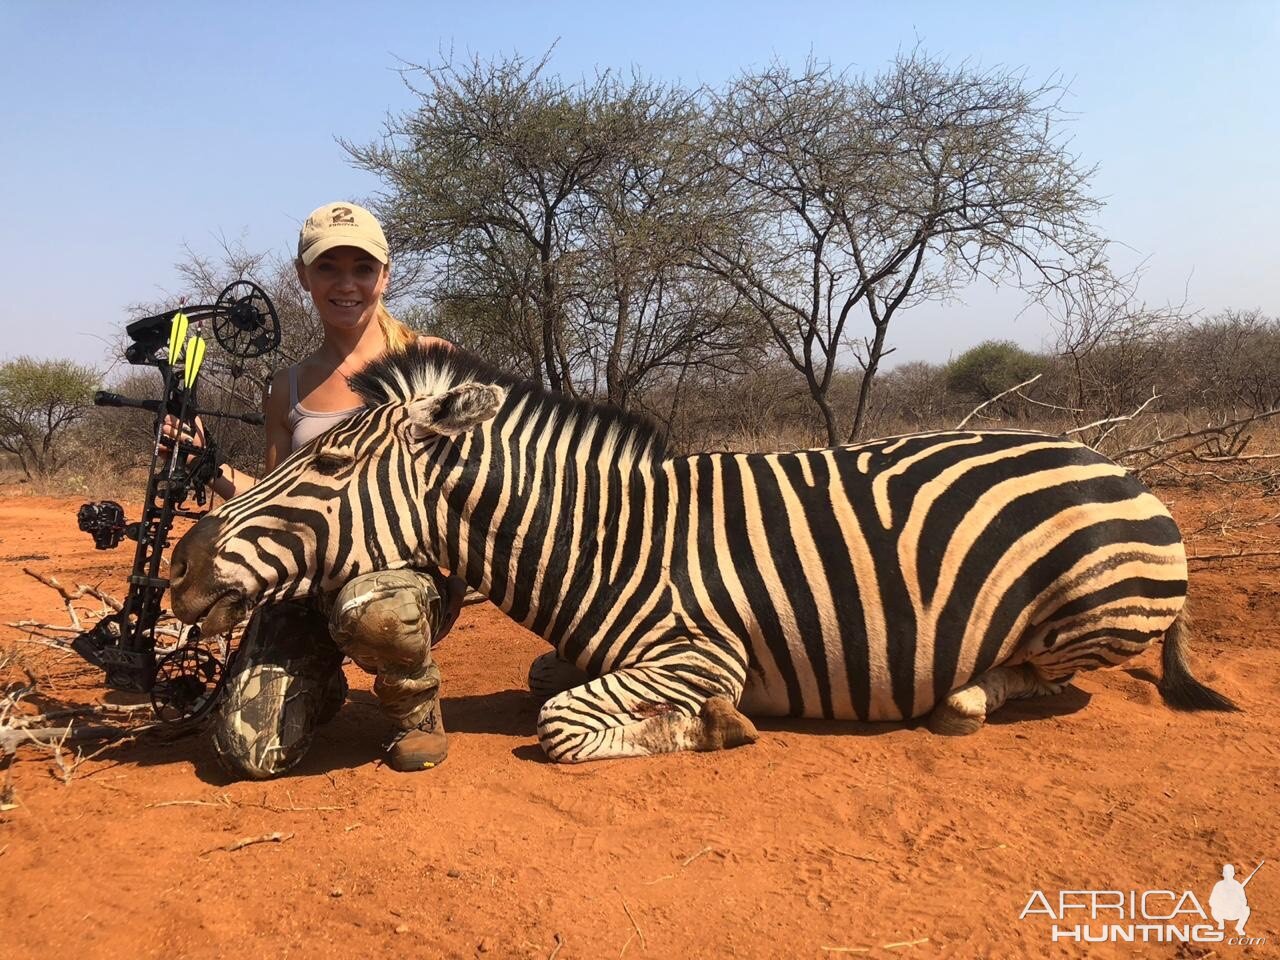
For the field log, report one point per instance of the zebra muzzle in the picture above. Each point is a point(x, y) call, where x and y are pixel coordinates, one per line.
point(224, 612)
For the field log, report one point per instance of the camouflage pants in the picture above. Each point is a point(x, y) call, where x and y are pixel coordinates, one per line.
point(286, 678)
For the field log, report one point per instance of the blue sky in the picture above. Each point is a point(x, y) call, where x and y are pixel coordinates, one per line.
point(130, 129)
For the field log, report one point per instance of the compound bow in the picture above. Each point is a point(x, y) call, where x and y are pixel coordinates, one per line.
point(183, 682)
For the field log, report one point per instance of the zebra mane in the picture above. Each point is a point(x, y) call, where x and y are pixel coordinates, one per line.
point(421, 370)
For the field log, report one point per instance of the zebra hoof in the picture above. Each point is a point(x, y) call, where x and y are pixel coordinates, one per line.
point(724, 726)
point(947, 721)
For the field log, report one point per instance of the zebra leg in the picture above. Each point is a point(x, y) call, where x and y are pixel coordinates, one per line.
point(640, 711)
point(550, 674)
point(966, 709)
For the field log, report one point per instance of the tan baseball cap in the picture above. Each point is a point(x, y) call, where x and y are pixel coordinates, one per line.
point(341, 224)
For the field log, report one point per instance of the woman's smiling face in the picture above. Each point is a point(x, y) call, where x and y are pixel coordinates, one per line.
point(346, 284)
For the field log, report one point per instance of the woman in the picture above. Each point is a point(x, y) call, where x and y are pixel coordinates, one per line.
point(287, 678)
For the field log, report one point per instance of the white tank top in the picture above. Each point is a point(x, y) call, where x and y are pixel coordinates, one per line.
point(309, 424)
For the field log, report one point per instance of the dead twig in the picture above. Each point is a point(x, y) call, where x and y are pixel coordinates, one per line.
point(222, 801)
point(689, 860)
point(1242, 555)
point(683, 863)
point(1217, 477)
point(1222, 522)
point(250, 841)
point(292, 808)
point(986, 403)
point(81, 590)
point(54, 644)
point(10, 740)
point(860, 856)
point(37, 625)
point(91, 710)
point(631, 917)
point(884, 946)
point(550, 956)
point(1114, 421)
point(1200, 436)
point(68, 770)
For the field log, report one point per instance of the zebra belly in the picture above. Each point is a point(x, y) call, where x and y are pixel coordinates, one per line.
point(769, 694)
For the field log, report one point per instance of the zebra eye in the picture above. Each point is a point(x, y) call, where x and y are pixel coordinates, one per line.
point(330, 463)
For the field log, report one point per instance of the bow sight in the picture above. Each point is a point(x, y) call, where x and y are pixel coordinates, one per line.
point(185, 681)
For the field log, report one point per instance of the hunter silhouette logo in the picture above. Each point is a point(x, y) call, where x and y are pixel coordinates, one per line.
point(1148, 916)
point(342, 216)
point(1228, 900)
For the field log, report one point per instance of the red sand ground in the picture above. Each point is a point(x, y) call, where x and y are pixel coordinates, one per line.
point(822, 840)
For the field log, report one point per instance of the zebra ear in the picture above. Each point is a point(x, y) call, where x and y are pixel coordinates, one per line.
point(455, 411)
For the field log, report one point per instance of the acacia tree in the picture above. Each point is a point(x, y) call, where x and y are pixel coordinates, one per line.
point(551, 221)
point(486, 177)
point(991, 368)
point(39, 401)
point(868, 196)
point(645, 312)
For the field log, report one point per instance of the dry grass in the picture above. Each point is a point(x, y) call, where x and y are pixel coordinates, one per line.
point(101, 484)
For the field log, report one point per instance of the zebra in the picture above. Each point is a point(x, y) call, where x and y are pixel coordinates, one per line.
point(930, 575)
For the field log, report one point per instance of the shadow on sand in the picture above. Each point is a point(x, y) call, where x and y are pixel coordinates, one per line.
point(355, 737)
point(1068, 701)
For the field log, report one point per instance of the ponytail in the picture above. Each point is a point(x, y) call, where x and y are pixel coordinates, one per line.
point(397, 335)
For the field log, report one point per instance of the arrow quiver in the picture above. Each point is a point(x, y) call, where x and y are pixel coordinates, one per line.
point(184, 677)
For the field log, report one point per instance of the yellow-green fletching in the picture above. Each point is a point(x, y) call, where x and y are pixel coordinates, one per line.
point(177, 336)
point(195, 357)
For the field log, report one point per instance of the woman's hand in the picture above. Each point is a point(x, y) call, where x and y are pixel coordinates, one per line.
point(192, 433)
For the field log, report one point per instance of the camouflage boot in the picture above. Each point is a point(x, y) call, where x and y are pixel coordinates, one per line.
point(385, 622)
point(285, 681)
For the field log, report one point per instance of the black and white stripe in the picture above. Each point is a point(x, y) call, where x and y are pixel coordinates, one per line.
point(869, 582)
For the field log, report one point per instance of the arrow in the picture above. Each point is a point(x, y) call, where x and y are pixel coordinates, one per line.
point(177, 336)
point(195, 357)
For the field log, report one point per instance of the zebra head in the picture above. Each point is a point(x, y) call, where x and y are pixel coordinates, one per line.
point(361, 497)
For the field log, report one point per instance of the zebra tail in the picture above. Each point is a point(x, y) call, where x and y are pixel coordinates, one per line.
point(1177, 686)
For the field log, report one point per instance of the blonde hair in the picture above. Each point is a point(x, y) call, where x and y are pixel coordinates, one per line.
point(397, 335)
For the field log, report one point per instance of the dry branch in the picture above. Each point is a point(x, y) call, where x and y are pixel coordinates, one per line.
point(95, 710)
point(1200, 436)
point(250, 841)
point(81, 590)
point(1242, 555)
point(1114, 421)
point(638, 931)
point(222, 801)
point(1004, 393)
point(50, 627)
point(11, 739)
point(690, 859)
